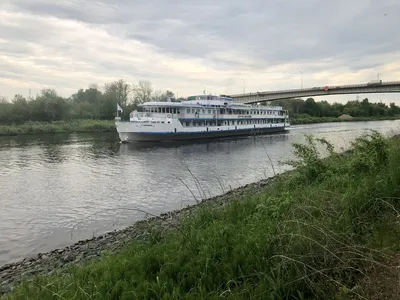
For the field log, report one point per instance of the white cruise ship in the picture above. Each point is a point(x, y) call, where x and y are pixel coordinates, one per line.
point(202, 116)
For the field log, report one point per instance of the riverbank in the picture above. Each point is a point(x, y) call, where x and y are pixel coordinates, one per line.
point(88, 125)
point(91, 249)
point(316, 232)
point(313, 120)
point(72, 126)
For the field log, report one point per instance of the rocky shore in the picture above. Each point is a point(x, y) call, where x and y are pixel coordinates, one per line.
point(91, 249)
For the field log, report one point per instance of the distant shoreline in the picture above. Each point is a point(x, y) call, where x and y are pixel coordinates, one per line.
point(85, 125)
point(314, 120)
point(90, 125)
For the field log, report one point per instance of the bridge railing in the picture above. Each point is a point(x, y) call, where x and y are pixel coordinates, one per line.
point(316, 88)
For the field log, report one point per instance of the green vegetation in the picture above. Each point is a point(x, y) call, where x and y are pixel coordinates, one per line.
point(58, 126)
point(314, 233)
point(92, 109)
point(94, 103)
point(310, 120)
point(299, 108)
point(91, 103)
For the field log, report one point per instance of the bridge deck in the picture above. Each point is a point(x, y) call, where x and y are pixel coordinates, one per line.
point(383, 87)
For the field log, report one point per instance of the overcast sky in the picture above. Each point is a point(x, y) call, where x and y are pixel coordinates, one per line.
point(222, 46)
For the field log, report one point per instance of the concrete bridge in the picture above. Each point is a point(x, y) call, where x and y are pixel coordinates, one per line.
point(376, 86)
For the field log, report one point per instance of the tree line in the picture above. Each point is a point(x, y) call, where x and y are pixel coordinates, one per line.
point(310, 108)
point(92, 103)
point(100, 103)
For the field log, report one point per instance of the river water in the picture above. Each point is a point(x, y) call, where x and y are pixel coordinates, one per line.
point(56, 189)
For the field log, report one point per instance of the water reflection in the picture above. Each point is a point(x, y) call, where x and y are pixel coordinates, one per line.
point(203, 144)
point(35, 140)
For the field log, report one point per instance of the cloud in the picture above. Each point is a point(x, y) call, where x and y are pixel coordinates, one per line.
point(222, 46)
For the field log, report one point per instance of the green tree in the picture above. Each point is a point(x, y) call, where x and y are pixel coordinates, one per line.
point(142, 91)
point(118, 90)
point(5, 110)
point(49, 106)
point(21, 110)
point(93, 103)
point(393, 110)
point(163, 96)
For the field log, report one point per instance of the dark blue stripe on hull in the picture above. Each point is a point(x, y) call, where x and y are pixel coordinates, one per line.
point(162, 136)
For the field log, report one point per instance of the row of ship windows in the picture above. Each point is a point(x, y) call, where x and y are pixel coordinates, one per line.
point(229, 111)
point(231, 122)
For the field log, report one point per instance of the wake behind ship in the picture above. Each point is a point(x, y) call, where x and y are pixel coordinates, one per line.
point(201, 116)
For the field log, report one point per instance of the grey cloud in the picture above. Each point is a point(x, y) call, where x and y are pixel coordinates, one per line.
point(273, 31)
point(84, 11)
point(9, 76)
point(101, 12)
point(301, 32)
point(15, 49)
point(361, 65)
point(269, 32)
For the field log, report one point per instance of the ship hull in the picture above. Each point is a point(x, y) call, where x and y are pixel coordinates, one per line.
point(127, 137)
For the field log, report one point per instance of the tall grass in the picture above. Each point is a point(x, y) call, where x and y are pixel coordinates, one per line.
point(58, 126)
point(313, 234)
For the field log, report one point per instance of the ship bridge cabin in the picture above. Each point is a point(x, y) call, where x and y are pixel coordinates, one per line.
point(197, 110)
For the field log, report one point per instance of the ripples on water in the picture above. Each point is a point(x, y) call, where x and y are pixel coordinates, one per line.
point(57, 189)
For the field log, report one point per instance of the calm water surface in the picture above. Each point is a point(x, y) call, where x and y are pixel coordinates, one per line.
point(58, 189)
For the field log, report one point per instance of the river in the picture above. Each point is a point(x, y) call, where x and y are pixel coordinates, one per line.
point(56, 189)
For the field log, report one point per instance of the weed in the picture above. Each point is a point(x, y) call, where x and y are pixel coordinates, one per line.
point(312, 234)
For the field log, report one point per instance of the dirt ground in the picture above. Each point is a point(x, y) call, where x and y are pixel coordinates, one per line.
point(383, 283)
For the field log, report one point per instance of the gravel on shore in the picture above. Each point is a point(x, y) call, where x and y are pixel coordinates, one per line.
point(91, 249)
